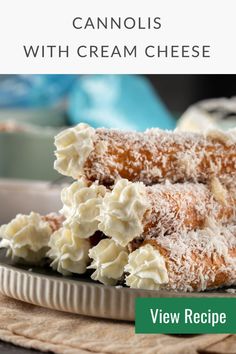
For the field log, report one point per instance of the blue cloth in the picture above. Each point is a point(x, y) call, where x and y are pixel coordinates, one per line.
point(113, 101)
point(24, 91)
point(117, 101)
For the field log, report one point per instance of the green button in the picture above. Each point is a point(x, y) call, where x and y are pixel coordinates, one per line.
point(185, 315)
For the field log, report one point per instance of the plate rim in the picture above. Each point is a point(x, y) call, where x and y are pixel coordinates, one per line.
point(60, 278)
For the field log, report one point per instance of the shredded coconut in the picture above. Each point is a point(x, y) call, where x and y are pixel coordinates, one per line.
point(218, 190)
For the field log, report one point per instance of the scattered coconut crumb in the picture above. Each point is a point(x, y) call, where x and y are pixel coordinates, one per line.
point(218, 190)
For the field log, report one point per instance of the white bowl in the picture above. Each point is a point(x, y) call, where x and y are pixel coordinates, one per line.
point(25, 196)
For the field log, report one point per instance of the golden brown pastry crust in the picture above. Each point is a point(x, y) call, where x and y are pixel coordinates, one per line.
point(157, 155)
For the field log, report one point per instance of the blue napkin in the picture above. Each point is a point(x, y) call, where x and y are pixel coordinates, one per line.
point(34, 91)
point(117, 101)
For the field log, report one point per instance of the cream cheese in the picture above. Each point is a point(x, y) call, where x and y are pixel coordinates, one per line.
point(81, 207)
point(122, 212)
point(69, 254)
point(109, 259)
point(73, 147)
point(26, 237)
point(146, 269)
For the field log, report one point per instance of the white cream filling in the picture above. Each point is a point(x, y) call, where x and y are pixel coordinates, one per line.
point(81, 207)
point(26, 237)
point(69, 254)
point(109, 260)
point(73, 147)
point(122, 211)
point(146, 268)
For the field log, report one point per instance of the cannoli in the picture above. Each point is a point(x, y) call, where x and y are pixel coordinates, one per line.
point(150, 157)
point(27, 236)
point(194, 261)
point(133, 210)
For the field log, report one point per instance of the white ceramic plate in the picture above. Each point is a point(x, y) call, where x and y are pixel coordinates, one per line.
point(78, 294)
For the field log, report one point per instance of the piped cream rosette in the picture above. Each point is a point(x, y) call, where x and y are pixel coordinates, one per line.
point(146, 269)
point(26, 237)
point(69, 254)
point(73, 147)
point(108, 260)
point(81, 207)
point(122, 212)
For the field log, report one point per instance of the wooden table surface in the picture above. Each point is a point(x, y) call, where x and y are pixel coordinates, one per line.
point(7, 348)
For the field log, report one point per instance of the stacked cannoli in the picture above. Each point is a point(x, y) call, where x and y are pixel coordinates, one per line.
point(153, 210)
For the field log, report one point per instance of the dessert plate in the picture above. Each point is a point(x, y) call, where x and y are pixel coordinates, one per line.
point(78, 294)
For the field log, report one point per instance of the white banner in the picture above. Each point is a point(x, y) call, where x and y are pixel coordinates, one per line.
point(125, 36)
